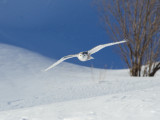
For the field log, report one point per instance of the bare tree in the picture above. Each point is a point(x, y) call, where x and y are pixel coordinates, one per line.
point(139, 22)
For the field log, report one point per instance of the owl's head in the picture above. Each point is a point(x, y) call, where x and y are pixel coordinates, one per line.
point(83, 56)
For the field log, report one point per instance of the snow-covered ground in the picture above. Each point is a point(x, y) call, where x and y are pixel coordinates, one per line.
point(71, 92)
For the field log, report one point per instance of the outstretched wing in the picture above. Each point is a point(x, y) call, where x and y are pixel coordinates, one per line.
point(99, 47)
point(61, 60)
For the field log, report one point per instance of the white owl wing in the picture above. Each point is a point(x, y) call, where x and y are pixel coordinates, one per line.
point(61, 60)
point(99, 47)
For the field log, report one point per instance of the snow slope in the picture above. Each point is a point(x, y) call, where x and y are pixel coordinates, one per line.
point(135, 105)
point(71, 92)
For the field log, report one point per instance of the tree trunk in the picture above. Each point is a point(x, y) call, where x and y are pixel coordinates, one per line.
point(154, 70)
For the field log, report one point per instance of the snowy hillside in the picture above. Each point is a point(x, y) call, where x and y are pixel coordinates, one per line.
point(71, 92)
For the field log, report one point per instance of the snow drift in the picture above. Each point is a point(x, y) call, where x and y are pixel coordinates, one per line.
point(71, 92)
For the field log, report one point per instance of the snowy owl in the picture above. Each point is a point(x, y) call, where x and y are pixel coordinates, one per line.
point(84, 56)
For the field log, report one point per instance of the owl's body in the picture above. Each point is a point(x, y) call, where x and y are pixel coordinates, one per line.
point(84, 56)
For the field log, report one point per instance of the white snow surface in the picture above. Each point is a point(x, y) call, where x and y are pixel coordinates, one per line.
point(72, 92)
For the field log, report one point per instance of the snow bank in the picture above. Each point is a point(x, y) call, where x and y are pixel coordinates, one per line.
point(135, 105)
point(71, 92)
